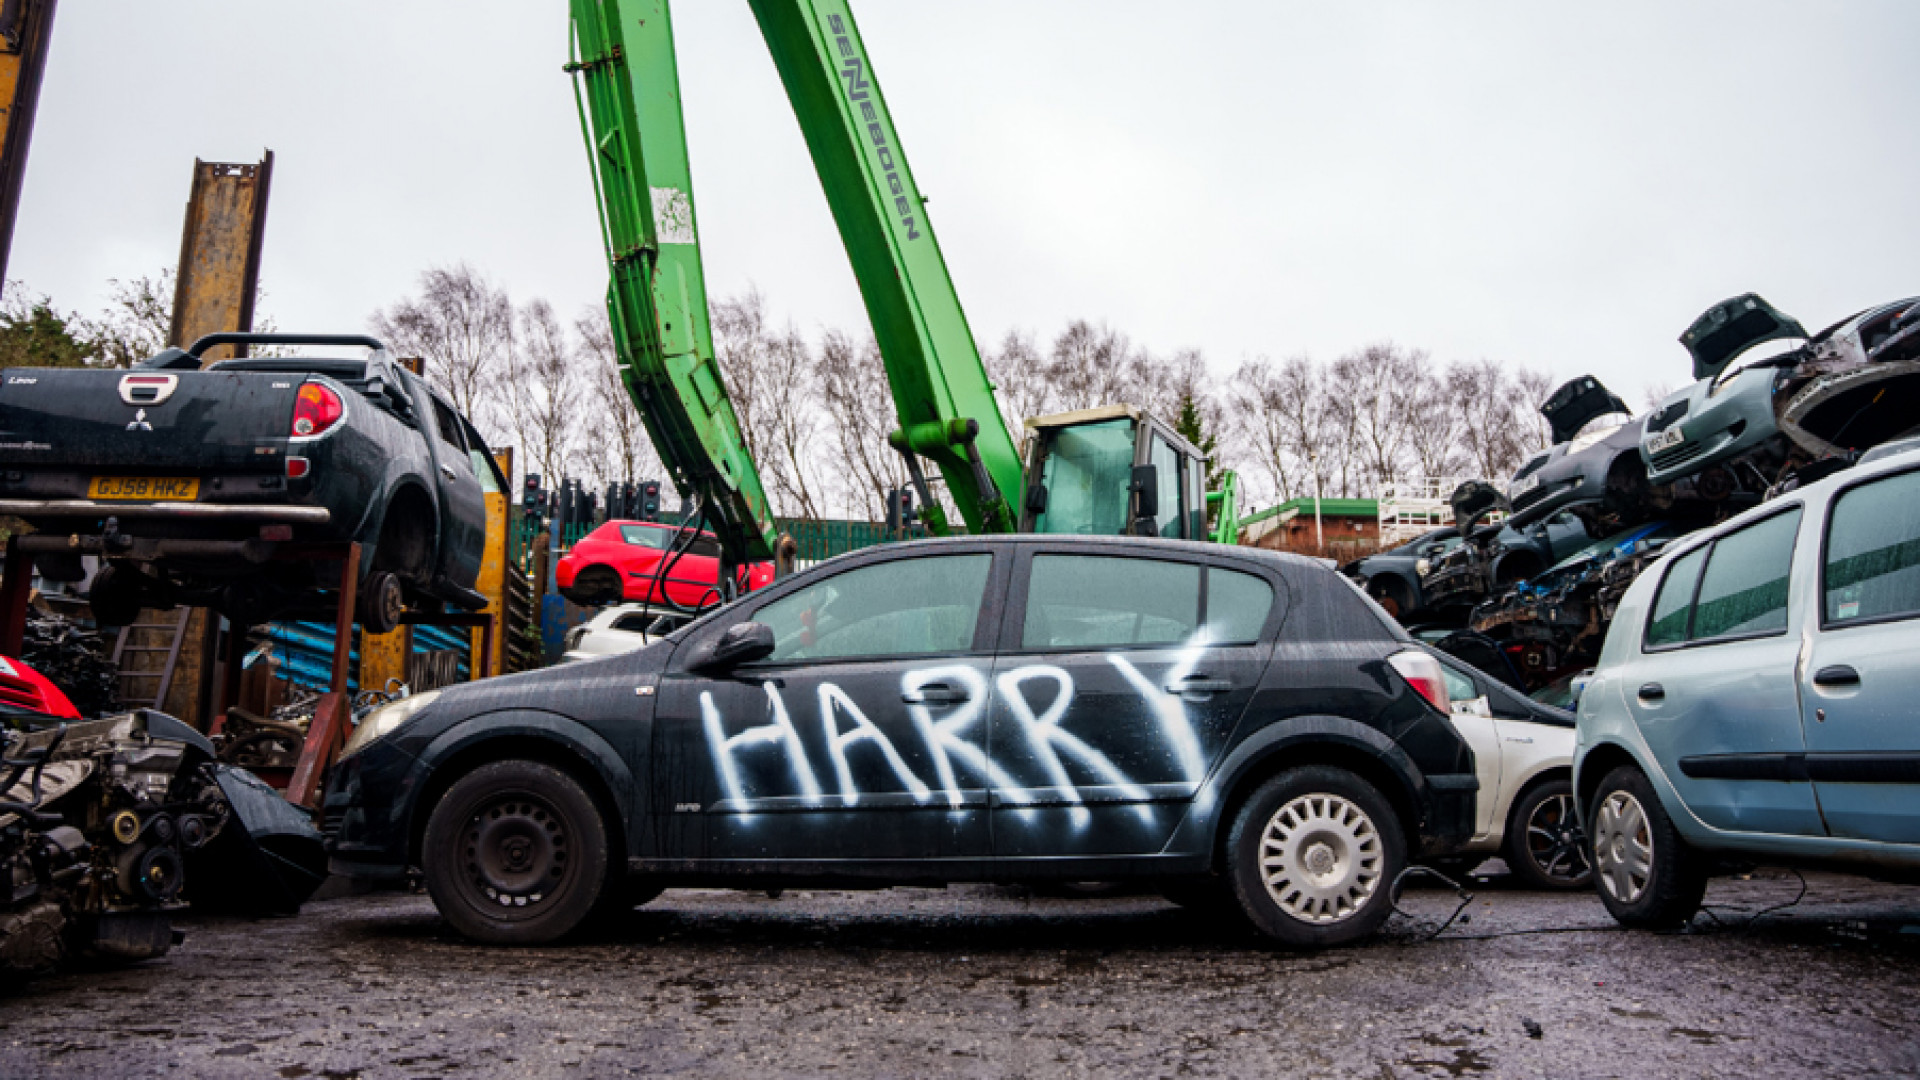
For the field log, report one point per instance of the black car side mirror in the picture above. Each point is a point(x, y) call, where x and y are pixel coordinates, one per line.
point(743, 643)
point(1146, 491)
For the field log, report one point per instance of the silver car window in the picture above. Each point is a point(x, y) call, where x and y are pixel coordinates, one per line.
point(1673, 607)
point(1872, 564)
point(1744, 589)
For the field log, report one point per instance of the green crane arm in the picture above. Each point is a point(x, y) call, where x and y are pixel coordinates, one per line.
point(940, 388)
point(1226, 511)
point(628, 87)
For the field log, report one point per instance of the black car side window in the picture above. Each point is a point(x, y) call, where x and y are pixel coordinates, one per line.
point(1871, 570)
point(448, 425)
point(1091, 602)
point(1237, 606)
point(909, 607)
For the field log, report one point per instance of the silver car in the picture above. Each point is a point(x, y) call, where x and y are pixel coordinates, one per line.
point(1755, 700)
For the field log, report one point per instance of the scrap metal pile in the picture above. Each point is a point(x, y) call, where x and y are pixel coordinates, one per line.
point(1771, 408)
point(109, 826)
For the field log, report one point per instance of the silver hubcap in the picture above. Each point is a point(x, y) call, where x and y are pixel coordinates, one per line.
point(1623, 847)
point(1320, 858)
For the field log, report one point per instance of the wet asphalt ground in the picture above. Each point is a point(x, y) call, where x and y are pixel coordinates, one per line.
point(994, 982)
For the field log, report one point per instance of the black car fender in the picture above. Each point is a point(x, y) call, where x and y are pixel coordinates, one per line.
point(1311, 739)
point(527, 734)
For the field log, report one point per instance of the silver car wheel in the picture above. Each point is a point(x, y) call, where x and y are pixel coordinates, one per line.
point(1623, 847)
point(1554, 841)
point(1321, 858)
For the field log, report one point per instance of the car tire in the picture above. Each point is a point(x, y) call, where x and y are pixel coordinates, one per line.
point(516, 853)
point(1545, 845)
point(116, 596)
point(1645, 873)
point(383, 600)
point(596, 586)
point(1312, 857)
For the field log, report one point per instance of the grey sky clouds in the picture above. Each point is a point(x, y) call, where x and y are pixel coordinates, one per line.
point(1559, 185)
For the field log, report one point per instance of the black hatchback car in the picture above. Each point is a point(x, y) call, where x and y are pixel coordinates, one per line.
point(1223, 722)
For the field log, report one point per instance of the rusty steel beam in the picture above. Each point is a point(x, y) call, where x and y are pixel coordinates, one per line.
point(220, 253)
point(26, 26)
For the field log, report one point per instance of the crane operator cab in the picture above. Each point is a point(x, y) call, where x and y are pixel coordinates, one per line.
point(1112, 471)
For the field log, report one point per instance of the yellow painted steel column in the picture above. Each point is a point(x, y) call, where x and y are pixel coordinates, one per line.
point(492, 583)
point(384, 656)
point(220, 253)
point(26, 28)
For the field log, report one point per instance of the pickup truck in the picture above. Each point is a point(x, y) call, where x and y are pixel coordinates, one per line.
point(222, 487)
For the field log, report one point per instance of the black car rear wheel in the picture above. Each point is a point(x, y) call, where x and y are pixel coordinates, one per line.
point(1312, 857)
point(516, 853)
point(383, 601)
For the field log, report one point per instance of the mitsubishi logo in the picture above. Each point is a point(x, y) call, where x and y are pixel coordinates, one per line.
point(139, 422)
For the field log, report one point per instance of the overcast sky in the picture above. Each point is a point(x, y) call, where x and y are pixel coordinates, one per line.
point(1557, 185)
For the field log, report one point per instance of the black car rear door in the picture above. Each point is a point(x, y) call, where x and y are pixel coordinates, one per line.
point(1118, 683)
point(863, 736)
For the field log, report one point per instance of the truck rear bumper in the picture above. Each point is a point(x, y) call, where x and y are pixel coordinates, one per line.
point(91, 508)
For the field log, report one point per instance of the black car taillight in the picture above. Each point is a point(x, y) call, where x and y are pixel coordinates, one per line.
point(1423, 673)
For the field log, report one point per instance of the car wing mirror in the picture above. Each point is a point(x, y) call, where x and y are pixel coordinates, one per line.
point(742, 643)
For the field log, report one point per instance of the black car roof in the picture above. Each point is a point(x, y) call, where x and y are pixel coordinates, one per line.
point(1116, 544)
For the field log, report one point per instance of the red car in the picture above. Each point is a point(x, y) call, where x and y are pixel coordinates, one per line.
point(21, 687)
point(621, 560)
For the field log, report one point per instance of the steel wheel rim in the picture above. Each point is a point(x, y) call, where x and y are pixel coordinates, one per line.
point(1321, 858)
point(1554, 841)
point(1623, 847)
point(516, 852)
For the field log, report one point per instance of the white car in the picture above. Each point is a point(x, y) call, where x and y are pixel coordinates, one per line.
point(1523, 754)
point(621, 628)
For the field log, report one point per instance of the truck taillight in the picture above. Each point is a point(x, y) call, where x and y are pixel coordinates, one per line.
point(297, 467)
point(315, 409)
point(1423, 673)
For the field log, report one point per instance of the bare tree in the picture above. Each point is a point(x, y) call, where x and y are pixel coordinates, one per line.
point(462, 324)
point(768, 377)
point(542, 391)
point(1373, 395)
point(1021, 381)
point(135, 324)
point(619, 447)
point(1433, 427)
point(1530, 391)
point(1257, 425)
point(1092, 366)
point(860, 414)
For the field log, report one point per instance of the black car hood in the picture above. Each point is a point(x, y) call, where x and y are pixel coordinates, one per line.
point(1576, 403)
point(1730, 328)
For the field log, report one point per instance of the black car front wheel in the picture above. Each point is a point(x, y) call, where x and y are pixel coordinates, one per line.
point(516, 853)
point(1312, 857)
point(1648, 878)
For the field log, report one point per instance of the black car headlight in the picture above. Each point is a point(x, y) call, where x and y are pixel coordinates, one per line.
point(381, 722)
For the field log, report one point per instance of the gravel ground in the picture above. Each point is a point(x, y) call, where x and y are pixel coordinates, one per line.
point(982, 981)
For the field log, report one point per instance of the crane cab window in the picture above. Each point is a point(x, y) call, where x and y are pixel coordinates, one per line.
point(1086, 471)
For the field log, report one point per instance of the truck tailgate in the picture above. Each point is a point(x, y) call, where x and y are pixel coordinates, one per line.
point(226, 421)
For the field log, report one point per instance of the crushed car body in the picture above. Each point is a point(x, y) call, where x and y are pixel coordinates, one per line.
point(109, 826)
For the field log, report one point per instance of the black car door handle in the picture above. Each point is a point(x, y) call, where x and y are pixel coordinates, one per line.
point(447, 471)
point(1837, 675)
point(1653, 691)
point(1199, 684)
point(936, 694)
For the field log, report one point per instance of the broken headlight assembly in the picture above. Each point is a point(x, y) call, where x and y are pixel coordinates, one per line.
point(383, 721)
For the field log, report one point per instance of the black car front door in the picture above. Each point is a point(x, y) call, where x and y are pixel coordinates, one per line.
point(862, 737)
point(1118, 683)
